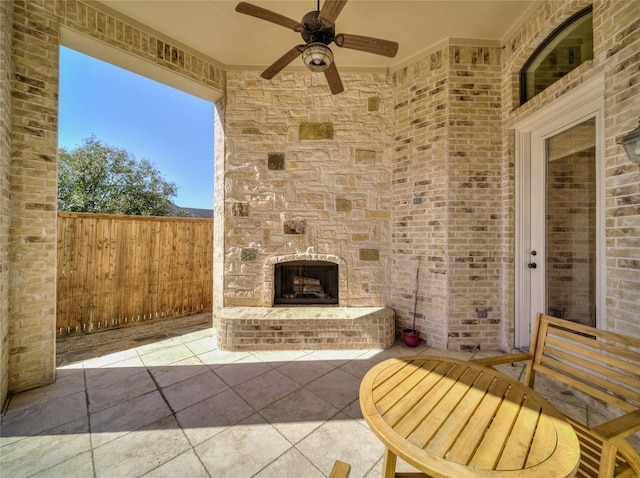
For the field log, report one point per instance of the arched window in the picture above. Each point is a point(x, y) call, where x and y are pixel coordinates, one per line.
point(564, 50)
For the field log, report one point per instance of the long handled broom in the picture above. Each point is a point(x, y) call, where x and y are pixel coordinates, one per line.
point(415, 296)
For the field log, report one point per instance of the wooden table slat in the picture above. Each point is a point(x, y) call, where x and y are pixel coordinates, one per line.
point(454, 428)
point(472, 435)
point(429, 428)
point(403, 422)
point(386, 392)
point(518, 444)
point(541, 446)
point(489, 451)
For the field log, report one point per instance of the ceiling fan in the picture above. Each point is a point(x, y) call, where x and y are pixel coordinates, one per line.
point(318, 31)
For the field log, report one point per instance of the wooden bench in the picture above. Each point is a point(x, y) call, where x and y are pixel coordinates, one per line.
point(601, 364)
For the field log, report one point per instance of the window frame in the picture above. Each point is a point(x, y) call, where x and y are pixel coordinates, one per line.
point(548, 41)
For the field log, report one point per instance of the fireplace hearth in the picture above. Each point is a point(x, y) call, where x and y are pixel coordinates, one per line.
point(306, 283)
point(320, 317)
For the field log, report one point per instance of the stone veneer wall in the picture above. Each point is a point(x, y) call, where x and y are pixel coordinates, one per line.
point(616, 26)
point(306, 172)
point(6, 30)
point(32, 140)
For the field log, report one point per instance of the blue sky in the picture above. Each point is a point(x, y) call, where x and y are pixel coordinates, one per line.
point(172, 129)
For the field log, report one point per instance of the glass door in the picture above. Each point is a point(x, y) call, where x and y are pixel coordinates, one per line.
point(570, 203)
point(559, 220)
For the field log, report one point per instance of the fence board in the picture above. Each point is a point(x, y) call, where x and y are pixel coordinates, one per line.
point(116, 271)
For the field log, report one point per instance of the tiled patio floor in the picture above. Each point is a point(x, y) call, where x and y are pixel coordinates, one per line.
point(181, 407)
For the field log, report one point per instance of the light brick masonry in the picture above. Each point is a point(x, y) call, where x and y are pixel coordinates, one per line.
point(414, 164)
point(29, 44)
point(6, 17)
point(305, 328)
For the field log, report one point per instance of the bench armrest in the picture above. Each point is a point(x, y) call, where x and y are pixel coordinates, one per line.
point(620, 427)
point(500, 359)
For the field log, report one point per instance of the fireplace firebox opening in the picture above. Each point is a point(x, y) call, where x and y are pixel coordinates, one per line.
point(306, 283)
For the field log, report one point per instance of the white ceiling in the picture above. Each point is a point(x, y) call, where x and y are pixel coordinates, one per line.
point(215, 29)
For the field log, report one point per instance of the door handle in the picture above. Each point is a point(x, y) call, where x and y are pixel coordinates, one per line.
point(532, 265)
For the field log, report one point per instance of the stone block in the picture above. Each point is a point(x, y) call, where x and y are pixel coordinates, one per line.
point(275, 161)
point(315, 131)
point(294, 226)
point(343, 205)
point(249, 254)
point(364, 156)
point(240, 209)
point(369, 254)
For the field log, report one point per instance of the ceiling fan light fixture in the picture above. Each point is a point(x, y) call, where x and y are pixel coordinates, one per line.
point(317, 56)
point(317, 30)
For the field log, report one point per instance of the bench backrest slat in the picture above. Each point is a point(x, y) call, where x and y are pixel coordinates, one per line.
point(600, 363)
point(614, 345)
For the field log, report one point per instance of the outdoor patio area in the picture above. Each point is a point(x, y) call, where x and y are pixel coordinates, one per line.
point(170, 403)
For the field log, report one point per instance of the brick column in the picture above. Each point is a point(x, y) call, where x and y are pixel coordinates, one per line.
point(6, 32)
point(33, 180)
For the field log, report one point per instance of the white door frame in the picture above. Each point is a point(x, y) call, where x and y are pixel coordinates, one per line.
point(583, 102)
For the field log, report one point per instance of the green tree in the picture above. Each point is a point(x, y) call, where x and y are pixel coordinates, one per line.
point(183, 213)
point(98, 178)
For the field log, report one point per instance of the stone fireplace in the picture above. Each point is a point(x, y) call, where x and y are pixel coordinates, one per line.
point(303, 204)
point(304, 279)
point(305, 305)
point(305, 283)
point(303, 176)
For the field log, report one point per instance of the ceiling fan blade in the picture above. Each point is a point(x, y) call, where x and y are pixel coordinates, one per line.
point(268, 15)
point(368, 44)
point(330, 11)
point(333, 79)
point(282, 62)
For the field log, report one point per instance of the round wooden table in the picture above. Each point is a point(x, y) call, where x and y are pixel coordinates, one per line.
point(458, 419)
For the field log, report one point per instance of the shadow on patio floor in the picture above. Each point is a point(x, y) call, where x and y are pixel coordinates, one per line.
point(169, 402)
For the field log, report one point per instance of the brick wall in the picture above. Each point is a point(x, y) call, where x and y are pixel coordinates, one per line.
point(6, 28)
point(420, 197)
point(447, 183)
point(618, 51)
point(475, 215)
point(616, 27)
point(409, 191)
point(33, 179)
point(28, 284)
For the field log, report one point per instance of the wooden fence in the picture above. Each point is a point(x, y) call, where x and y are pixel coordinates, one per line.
point(115, 271)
